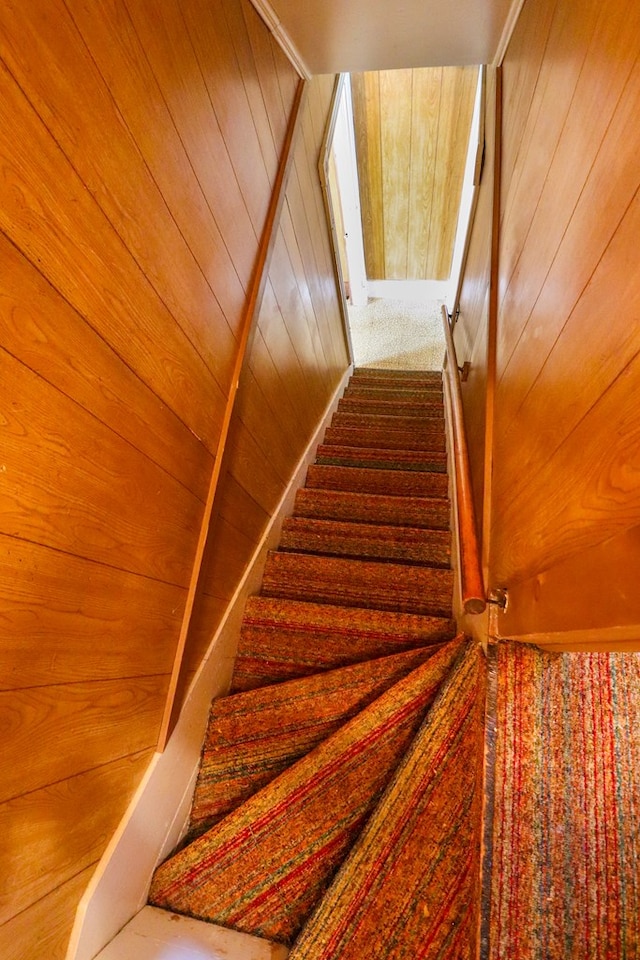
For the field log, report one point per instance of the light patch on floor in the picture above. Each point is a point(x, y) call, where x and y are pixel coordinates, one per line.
point(396, 335)
point(159, 935)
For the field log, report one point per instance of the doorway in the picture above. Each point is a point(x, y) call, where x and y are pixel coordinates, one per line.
point(399, 168)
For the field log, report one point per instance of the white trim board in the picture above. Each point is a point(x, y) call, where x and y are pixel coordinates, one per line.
point(158, 815)
point(274, 24)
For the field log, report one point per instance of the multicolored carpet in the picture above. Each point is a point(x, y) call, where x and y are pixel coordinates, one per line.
point(340, 806)
point(353, 709)
point(566, 839)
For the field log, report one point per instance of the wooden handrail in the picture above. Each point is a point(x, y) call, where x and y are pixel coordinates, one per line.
point(471, 582)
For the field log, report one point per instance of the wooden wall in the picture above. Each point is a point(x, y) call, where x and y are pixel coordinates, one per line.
point(295, 361)
point(412, 131)
point(565, 504)
point(138, 148)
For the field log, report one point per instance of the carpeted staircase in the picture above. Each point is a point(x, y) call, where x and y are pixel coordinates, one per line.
point(338, 805)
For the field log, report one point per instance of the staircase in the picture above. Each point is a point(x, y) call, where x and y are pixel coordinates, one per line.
point(338, 804)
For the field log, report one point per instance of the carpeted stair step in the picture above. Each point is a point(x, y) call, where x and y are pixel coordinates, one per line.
point(369, 457)
point(383, 586)
point(330, 504)
point(263, 869)
point(429, 394)
point(409, 888)
point(367, 541)
point(284, 639)
point(402, 377)
point(392, 408)
point(423, 427)
point(384, 437)
point(252, 737)
point(366, 481)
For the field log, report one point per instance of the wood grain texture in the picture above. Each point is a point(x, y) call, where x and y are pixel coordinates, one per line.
point(72, 484)
point(412, 133)
point(49, 835)
point(138, 150)
point(297, 356)
point(88, 370)
point(566, 440)
point(68, 620)
point(91, 724)
point(44, 928)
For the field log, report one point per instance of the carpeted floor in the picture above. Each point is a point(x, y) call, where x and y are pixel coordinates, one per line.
point(566, 842)
point(396, 335)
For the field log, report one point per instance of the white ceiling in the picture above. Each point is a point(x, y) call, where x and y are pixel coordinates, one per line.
point(333, 36)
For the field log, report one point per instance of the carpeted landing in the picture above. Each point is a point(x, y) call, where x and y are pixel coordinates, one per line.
point(337, 807)
point(566, 836)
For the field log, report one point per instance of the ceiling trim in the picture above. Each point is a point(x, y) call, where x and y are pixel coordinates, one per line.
point(268, 14)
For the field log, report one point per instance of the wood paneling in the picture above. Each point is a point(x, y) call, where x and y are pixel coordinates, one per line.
point(84, 810)
point(44, 928)
point(297, 357)
point(567, 446)
point(61, 613)
point(412, 132)
point(139, 147)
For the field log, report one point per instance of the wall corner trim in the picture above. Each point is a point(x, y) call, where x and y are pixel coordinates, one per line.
point(158, 814)
point(289, 48)
point(507, 32)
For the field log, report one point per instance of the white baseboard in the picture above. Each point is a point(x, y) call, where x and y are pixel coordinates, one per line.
point(157, 816)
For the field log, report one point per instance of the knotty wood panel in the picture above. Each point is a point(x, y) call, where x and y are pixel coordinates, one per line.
point(568, 359)
point(138, 150)
point(412, 132)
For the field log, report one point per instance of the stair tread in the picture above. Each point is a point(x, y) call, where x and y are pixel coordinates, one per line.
point(394, 508)
point(263, 869)
point(395, 408)
point(337, 537)
point(254, 736)
point(283, 638)
point(379, 436)
point(369, 480)
point(395, 376)
point(424, 427)
point(336, 580)
point(433, 805)
point(381, 459)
